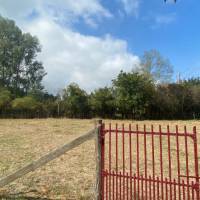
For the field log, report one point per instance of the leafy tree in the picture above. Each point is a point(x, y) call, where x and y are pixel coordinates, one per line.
point(19, 69)
point(27, 106)
point(5, 98)
point(172, 101)
point(166, 102)
point(192, 81)
point(193, 85)
point(102, 102)
point(75, 101)
point(156, 66)
point(133, 93)
point(47, 101)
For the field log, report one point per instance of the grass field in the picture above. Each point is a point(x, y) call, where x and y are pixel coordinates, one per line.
point(71, 176)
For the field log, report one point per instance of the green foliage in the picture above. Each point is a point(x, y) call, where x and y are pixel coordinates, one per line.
point(148, 94)
point(176, 101)
point(133, 92)
point(75, 101)
point(102, 102)
point(192, 81)
point(19, 69)
point(27, 103)
point(5, 98)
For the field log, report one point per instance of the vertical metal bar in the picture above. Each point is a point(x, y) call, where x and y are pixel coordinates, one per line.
point(169, 159)
point(110, 165)
point(127, 192)
point(196, 162)
point(142, 186)
point(166, 188)
point(150, 195)
point(135, 196)
point(102, 141)
point(123, 157)
point(174, 189)
point(186, 159)
point(183, 184)
point(120, 185)
point(145, 160)
point(193, 190)
point(161, 163)
point(138, 162)
point(116, 130)
point(153, 160)
point(178, 162)
point(130, 148)
point(158, 188)
point(107, 185)
point(113, 185)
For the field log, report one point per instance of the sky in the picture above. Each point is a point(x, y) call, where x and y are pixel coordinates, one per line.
point(90, 41)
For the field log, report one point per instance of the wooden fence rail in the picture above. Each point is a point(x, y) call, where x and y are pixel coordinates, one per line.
point(47, 158)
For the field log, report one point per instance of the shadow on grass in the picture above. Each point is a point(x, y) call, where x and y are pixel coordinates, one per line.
point(20, 196)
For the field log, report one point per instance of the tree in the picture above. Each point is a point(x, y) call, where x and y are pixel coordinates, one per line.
point(192, 81)
point(75, 101)
point(5, 99)
point(195, 104)
point(174, 101)
point(27, 106)
point(133, 93)
point(102, 102)
point(169, 101)
point(193, 85)
point(19, 69)
point(157, 67)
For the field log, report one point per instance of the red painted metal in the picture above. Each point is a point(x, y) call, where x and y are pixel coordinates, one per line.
point(149, 164)
point(130, 153)
point(116, 146)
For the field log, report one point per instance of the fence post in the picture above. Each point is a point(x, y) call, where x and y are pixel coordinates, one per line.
point(98, 192)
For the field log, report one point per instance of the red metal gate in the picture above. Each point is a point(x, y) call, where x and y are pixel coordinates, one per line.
point(148, 163)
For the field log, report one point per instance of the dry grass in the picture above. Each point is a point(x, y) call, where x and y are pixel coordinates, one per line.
point(68, 177)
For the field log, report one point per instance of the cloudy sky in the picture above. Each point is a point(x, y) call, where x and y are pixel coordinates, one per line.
point(90, 41)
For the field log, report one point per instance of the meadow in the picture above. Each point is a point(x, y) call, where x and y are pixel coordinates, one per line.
point(72, 176)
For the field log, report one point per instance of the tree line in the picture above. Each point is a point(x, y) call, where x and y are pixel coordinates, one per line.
point(146, 92)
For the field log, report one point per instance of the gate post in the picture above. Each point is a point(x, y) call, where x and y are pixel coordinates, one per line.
point(196, 164)
point(99, 160)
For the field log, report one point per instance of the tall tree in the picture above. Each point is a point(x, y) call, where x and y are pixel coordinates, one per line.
point(5, 99)
point(133, 93)
point(102, 102)
point(75, 101)
point(194, 81)
point(26, 106)
point(154, 65)
point(19, 69)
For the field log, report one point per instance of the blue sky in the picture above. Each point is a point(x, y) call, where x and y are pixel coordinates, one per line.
point(173, 29)
point(90, 41)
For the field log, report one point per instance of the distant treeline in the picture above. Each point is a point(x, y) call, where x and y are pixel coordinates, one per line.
point(147, 92)
point(132, 96)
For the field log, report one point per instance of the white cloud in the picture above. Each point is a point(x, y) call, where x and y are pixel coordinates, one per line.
point(131, 6)
point(69, 56)
point(17, 9)
point(59, 10)
point(90, 10)
point(166, 19)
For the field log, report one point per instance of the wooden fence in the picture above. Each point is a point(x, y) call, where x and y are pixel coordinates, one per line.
point(95, 133)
